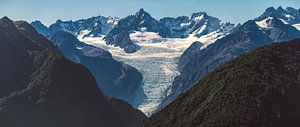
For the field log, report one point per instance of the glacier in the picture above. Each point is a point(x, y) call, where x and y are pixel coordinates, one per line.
point(156, 60)
point(162, 42)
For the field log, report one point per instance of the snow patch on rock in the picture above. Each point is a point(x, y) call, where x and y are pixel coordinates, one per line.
point(297, 26)
point(264, 23)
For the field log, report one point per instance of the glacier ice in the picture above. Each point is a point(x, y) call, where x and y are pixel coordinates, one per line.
point(156, 60)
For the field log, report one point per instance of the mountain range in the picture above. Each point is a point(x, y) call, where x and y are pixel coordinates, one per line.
point(167, 56)
point(184, 71)
point(198, 24)
point(196, 63)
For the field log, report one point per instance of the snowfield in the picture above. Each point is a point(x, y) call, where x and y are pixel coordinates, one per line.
point(156, 60)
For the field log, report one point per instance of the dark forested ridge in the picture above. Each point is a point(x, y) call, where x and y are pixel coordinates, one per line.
point(261, 88)
point(40, 88)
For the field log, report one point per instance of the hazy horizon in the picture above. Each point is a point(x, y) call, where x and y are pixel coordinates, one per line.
point(235, 11)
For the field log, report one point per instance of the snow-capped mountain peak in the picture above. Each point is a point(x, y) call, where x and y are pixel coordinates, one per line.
point(198, 23)
point(289, 15)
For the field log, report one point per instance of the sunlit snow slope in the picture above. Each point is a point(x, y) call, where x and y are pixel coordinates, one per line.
point(156, 60)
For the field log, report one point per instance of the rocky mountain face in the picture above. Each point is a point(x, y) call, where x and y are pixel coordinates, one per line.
point(91, 27)
point(260, 88)
point(244, 38)
point(119, 36)
point(277, 30)
point(141, 20)
point(39, 87)
point(115, 79)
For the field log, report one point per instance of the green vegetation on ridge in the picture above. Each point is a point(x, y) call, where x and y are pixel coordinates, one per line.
point(261, 88)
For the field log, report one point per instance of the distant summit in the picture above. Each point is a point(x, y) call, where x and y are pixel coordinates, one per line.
point(289, 15)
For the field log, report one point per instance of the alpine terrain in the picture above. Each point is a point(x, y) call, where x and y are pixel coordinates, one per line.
point(151, 46)
point(148, 63)
point(164, 58)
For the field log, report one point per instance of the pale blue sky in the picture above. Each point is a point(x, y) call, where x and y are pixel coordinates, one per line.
point(48, 11)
